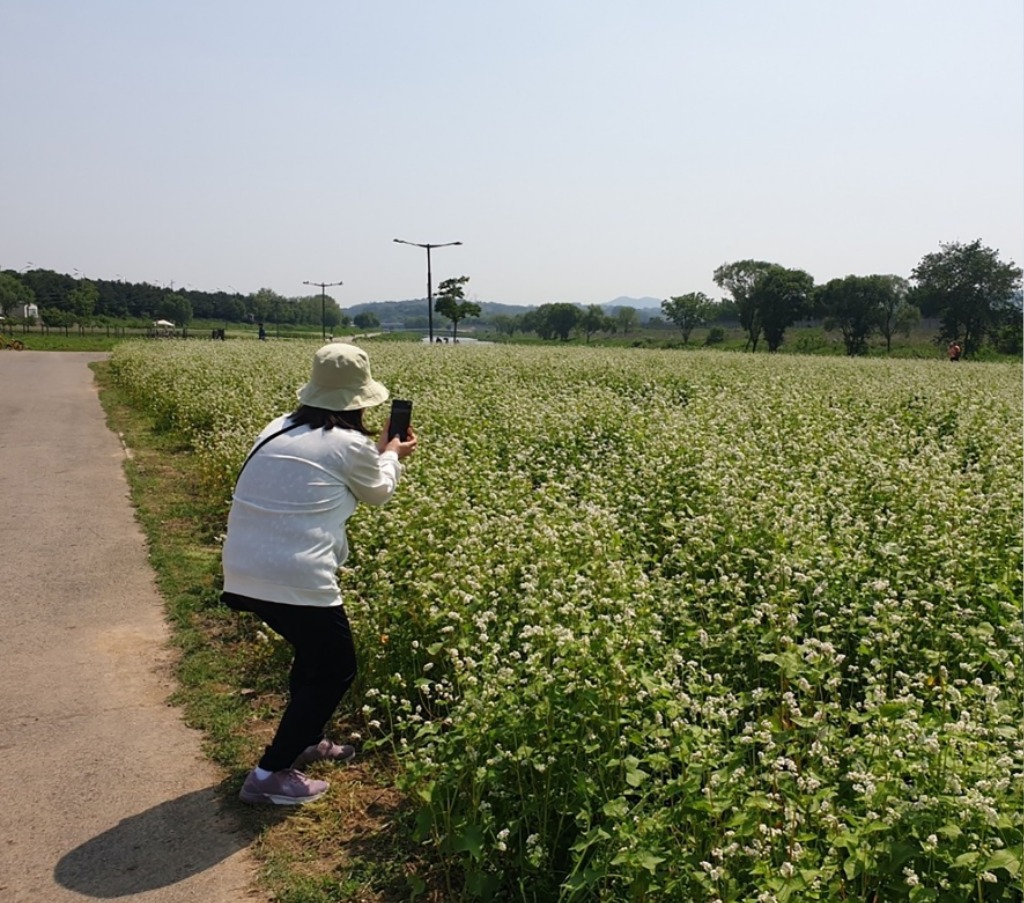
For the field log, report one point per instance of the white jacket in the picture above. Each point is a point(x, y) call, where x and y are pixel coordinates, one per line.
point(286, 528)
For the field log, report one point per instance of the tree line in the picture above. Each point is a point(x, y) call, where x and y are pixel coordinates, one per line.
point(65, 300)
point(975, 296)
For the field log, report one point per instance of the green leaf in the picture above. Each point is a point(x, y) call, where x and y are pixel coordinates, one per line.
point(902, 852)
point(649, 861)
point(1008, 859)
point(593, 836)
point(424, 824)
point(617, 808)
point(471, 841)
point(759, 801)
point(483, 885)
point(588, 878)
point(416, 884)
point(636, 776)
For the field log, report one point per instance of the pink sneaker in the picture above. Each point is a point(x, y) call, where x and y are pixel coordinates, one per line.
point(282, 788)
point(325, 751)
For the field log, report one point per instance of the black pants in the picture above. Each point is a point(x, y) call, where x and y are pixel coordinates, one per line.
point(322, 671)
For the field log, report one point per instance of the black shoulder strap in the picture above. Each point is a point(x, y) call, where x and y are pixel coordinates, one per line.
point(291, 426)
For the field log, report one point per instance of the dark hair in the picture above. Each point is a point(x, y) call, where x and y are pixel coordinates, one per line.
point(322, 419)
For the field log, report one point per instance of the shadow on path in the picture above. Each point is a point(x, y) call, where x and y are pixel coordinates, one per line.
point(156, 848)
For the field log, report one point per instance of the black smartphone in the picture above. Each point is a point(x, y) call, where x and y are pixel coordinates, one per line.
point(401, 415)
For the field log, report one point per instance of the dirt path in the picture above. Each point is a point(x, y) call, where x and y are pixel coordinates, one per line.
point(104, 792)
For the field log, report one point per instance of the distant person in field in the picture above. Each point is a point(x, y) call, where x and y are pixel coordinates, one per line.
point(954, 351)
point(286, 540)
point(262, 333)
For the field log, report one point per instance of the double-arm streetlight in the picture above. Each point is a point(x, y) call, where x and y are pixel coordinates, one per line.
point(323, 303)
point(430, 288)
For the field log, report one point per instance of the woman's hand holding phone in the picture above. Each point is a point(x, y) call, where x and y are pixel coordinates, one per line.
point(398, 435)
point(401, 448)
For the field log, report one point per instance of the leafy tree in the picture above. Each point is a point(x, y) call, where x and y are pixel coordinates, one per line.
point(626, 319)
point(898, 314)
point(366, 320)
point(307, 309)
point(14, 293)
point(332, 315)
point(854, 305)
point(723, 311)
point(503, 324)
point(145, 300)
point(54, 316)
point(280, 309)
point(229, 307)
point(970, 286)
point(113, 298)
point(201, 303)
point(50, 288)
point(81, 301)
point(1008, 334)
point(739, 279)
point(687, 312)
point(530, 322)
point(451, 302)
point(557, 319)
point(311, 309)
point(715, 336)
point(780, 296)
point(176, 308)
point(593, 320)
point(260, 305)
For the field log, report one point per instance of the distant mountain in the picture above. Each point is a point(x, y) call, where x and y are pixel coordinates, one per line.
point(646, 307)
point(387, 309)
point(397, 312)
point(645, 303)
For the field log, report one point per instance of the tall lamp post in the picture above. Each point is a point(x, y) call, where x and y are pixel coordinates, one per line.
point(430, 288)
point(323, 304)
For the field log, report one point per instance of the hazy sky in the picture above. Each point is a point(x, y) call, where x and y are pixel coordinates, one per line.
point(580, 150)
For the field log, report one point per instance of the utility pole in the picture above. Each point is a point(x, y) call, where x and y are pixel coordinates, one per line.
point(323, 304)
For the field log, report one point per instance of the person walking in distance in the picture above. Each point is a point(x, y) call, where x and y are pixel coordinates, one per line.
point(286, 539)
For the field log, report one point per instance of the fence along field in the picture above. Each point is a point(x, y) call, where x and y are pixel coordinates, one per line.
point(663, 626)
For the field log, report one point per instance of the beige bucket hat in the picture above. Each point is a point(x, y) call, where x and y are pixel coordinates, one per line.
point(341, 380)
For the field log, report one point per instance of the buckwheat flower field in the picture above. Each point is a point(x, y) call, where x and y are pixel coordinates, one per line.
point(679, 625)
